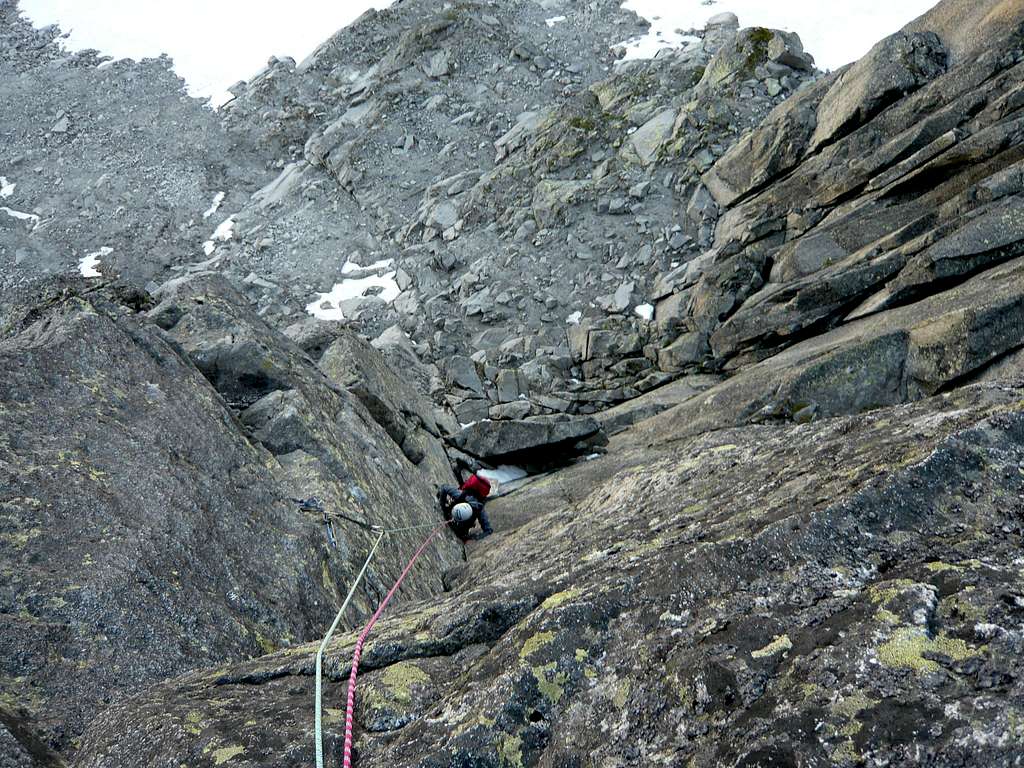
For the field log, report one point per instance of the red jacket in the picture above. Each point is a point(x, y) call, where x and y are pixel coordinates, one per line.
point(478, 486)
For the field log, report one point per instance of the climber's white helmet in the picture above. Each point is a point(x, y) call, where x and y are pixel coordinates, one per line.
point(462, 512)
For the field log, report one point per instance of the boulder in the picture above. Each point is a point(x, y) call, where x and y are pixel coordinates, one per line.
point(472, 410)
point(646, 142)
point(787, 49)
point(512, 411)
point(462, 373)
point(689, 350)
point(739, 57)
point(511, 385)
point(404, 413)
point(542, 439)
point(314, 335)
point(719, 30)
point(402, 356)
point(224, 338)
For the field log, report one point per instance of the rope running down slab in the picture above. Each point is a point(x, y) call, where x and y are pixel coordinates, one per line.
point(318, 727)
point(318, 704)
point(358, 652)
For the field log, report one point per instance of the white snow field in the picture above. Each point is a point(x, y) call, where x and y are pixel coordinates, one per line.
point(88, 265)
point(216, 44)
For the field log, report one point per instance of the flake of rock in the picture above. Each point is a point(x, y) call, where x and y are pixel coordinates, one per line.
point(639, 191)
point(462, 373)
point(617, 206)
point(438, 64)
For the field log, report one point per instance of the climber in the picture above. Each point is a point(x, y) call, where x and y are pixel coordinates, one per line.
point(463, 507)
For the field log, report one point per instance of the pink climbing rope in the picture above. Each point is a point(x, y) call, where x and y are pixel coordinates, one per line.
point(358, 652)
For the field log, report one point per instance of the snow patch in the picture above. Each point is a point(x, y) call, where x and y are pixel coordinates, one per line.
point(328, 305)
point(505, 473)
point(22, 216)
point(87, 265)
point(217, 200)
point(6, 187)
point(554, 20)
point(645, 311)
point(224, 232)
point(574, 318)
point(834, 33)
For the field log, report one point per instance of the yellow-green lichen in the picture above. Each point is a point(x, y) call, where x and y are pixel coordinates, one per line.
point(845, 753)
point(20, 539)
point(400, 678)
point(226, 753)
point(780, 644)
point(560, 598)
point(325, 577)
point(510, 751)
point(621, 695)
point(479, 720)
point(192, 723)
point(852, 705)
point(535, 643)
point(907, 646)
point(728, 448)
point(582, 654)
point(808, 690)
point(550, 682)
point(887, 616)
point(889, 591)
point(265, 642)
point(960, 606)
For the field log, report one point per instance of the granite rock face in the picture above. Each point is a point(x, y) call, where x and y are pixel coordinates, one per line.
point(825, 594)
point(143, 533)
point(853, 199)
point(404, 412)
point(794, 300)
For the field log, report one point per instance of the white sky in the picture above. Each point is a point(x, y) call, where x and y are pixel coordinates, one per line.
point(215, 43)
